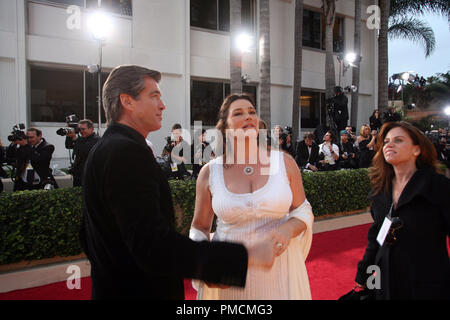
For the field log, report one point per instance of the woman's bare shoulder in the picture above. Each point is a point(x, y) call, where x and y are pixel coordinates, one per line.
point(290, 164)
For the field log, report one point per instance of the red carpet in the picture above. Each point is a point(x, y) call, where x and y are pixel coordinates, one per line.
point(331, 268)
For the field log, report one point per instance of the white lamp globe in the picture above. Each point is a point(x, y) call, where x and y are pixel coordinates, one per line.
point(100, 25)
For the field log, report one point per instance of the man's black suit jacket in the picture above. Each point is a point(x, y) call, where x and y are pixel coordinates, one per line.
point(303, 156)
point(40, 160)
point(128, 229)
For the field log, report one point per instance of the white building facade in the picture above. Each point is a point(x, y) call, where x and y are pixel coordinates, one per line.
point(46, 46)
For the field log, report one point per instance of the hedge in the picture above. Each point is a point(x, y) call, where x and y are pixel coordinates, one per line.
point(43, 224)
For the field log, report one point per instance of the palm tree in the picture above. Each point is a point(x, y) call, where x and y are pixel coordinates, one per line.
point(435, 92)
point(235, 54)
point(402, 24)
point(329, 12)
point(383, 56)
point(356, 71)
point(264, 68)
point(297, 90)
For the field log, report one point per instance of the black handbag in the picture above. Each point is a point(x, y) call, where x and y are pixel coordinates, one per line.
point(361, 295)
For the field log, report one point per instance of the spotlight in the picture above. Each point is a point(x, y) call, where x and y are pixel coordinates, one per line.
point(447, 110)
point(93, 68)
point(100, 25)
point(350, 57)
point(244, 42)
point(405, 76)
point(351, 88)
point(245, 79)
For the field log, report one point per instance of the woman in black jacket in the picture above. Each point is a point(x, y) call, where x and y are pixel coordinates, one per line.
point(412, 201)
point(375, 120)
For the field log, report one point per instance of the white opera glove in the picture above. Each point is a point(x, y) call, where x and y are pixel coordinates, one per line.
point(305, 214)
point(197, 235)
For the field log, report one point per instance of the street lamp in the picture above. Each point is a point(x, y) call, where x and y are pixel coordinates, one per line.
point(347, 61)
point(447, 110)
point(100, 25)
point(244, 42)
point(447, 113)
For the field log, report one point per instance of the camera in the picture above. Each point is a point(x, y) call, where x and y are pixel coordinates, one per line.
point(287, 129)
point(169, 145)
point(17, 134)
point(72, 122)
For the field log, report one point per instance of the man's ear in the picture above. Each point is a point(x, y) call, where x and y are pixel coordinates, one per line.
point(126, 101)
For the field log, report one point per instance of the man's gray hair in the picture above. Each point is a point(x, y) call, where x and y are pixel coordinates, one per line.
point(128, 79)
point(87, 122)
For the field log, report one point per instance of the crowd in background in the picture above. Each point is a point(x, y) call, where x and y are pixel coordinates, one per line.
point(321, 150)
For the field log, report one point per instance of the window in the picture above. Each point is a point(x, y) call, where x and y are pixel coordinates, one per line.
point(207, 97)
point(312, 109)
point(79, 3)
point(248, 15)
point(122, 7)
point(314, 31)
point(215, 14)
point(91, 110)
point(57, 93)
point(338, 35)
point(311, 29)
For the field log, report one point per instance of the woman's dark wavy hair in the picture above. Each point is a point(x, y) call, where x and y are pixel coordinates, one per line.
point(223, 115)
point(381, 173)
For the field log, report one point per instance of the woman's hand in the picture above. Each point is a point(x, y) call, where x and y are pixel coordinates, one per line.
point(281, 238)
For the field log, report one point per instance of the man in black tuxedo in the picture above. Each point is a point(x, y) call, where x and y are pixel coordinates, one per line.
point(307, 153)
point(40, 157)
point(128, 229)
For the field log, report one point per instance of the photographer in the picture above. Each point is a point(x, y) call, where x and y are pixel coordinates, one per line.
point(286, 144)
point(18, 155)
point(174, 153)
point(367, 146)
point(2, 160)
point(198, 156)
point(307, 153)
point(81, 144)
point(390, 115)
point(328, 153)
point(340, 112)
point(41, 155)
point(346, 152)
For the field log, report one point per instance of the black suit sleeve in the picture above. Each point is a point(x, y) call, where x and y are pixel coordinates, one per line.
point(69, 143)
point(134, 198)
point(40, 160)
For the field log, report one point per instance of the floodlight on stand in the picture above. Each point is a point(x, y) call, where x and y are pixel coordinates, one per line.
point(351, 88)
point(405, 76)
point(100, 25)
point(93, 68)
point(244, 42)
point(350, 57)
point(447, 110)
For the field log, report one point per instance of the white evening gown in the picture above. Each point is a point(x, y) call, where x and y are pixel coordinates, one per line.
point(244, 218)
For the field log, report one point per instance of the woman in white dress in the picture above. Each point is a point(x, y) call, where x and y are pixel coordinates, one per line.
point(261, 197)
